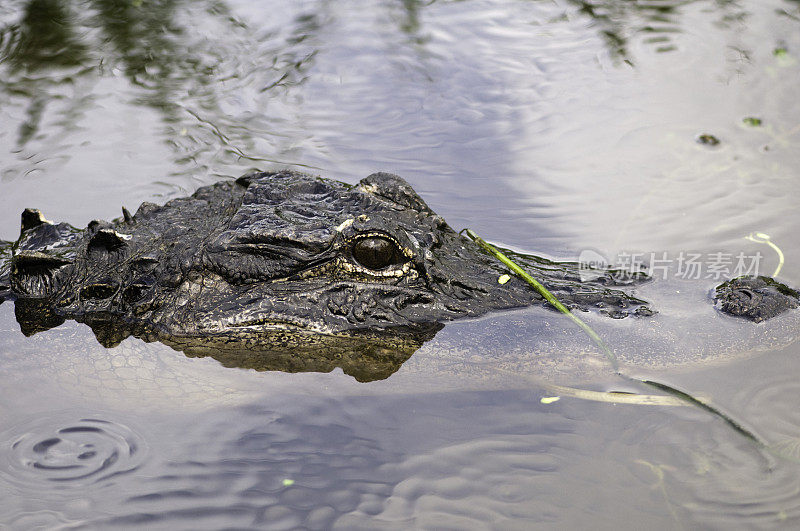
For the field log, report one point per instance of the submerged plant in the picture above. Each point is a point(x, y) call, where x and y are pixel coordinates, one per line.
point(675, 396)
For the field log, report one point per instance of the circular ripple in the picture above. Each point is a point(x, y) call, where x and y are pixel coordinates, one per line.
point(773, 405)
point(88, 451)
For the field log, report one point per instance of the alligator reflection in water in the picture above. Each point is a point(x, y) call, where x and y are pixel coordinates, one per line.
point(286, 271)
point(364, 358)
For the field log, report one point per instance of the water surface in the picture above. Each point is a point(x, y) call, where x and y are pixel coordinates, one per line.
point(554, 127)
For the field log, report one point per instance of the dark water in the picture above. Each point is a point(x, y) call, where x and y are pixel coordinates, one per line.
point(558, 127)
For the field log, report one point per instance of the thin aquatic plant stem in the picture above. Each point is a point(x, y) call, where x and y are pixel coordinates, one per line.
point(677, 393)
point(549, 297)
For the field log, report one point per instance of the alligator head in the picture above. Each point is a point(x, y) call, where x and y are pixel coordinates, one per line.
point(276, 261)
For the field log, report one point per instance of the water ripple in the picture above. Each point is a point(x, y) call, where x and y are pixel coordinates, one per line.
point(81, 453)
point(773, 403)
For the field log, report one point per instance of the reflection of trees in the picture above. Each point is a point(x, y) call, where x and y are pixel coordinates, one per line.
point(187, 59)
point(181, 58)
point(409, 21)
point(145, 42)
point(618, 21)
point(44, 38)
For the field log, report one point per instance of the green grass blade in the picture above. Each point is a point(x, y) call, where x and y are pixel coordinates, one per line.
point(549, 297)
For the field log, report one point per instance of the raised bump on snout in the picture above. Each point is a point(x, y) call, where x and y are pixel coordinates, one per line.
point(31, 218)
point(107, 240)
point(35, 263)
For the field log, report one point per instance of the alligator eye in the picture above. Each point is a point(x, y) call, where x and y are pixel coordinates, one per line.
point(377, 252)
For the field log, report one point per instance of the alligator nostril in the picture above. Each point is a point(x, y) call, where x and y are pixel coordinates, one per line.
point(98, 291)
point(746, 293)
point(134, 292)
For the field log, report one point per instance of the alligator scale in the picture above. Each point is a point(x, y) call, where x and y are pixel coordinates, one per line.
point(303, 267)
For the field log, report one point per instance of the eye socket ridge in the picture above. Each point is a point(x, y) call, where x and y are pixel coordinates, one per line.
point(377, 251)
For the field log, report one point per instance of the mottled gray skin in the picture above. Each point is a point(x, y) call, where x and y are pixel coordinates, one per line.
point(755, 298)
point(274, 252)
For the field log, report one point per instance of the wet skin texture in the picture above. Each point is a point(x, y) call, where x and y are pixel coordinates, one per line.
point(290, 261)
point(756, 298)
